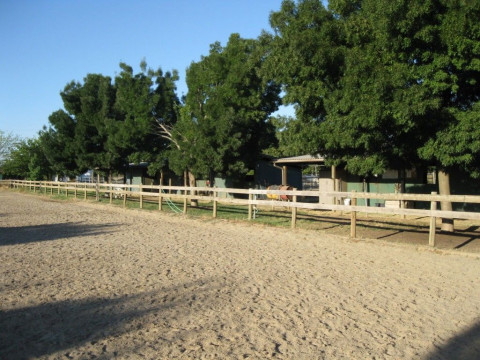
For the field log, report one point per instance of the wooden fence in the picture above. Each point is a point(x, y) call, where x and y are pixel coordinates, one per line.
point(257, 197)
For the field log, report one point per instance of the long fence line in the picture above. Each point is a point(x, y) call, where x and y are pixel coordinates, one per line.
point(256, 197)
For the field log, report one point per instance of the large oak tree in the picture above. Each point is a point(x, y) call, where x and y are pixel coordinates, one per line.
point(224, 125)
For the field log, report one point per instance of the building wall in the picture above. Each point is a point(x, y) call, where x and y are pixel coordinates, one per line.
point(266, 174)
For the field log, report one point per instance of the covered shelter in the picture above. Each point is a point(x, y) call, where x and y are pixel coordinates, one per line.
point(298, 161)
point(328, 180)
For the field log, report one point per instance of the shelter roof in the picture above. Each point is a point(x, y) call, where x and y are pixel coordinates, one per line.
point(301, 159)
point(142, 164)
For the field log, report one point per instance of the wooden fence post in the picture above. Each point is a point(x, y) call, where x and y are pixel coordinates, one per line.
point(97, 188)
point(353, 220)
point(75, 191)
point(111, 194)
point(185, 199)
point(85, 191)
point(58, 188)
point(141, 196)
point(124, 197)
point(294, 212)
point(214, 203)
point(433, 221)
point(319, 192)
point(402, 206)
point(160, 197)
point(250, 206)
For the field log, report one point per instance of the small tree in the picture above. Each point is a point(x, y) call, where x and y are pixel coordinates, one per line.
point(27, 161)
point(8, 142)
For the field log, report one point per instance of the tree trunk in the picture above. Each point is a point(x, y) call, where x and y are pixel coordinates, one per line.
point(192, 180)
point(211, 178)
point(444, 189)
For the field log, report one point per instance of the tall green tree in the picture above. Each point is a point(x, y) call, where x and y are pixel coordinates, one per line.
point(451, 73)
point(27, 161)
point(224, 124)
point(141, 100)
point(8, 142)
point(306, 57)
point(403, 89)
point(386, 83)
point(293, 137)
point(91, 105)
point(78, 136)
point(106, 125)
point(58, 144)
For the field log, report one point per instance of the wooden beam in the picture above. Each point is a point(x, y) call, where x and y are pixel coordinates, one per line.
point(353, 218)
point(433, 222)
point(294, 213)
point(284, 175)
point(250, 206)
point(214, 204)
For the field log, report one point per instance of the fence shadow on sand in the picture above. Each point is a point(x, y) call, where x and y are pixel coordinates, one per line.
point(48, 232)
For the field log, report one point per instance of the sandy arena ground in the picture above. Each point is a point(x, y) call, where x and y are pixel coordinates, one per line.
point(83, 281)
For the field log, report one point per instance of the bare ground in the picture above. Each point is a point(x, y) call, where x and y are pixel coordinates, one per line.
point(84, 281)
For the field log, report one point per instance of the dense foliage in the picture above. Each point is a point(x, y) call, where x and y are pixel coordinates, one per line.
point(27, 161)
point(106, 125)
point(224, 125)
point(376, 84)
point(8, 143)
point(383, 84)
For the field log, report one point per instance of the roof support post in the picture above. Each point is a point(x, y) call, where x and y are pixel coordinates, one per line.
point(284, 175)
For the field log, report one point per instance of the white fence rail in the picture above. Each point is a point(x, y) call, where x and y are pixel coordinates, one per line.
point(255, 197)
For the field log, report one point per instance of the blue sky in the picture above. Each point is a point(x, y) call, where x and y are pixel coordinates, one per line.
point(47, 43)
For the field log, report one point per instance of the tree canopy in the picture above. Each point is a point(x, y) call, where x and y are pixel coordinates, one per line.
point(27, 161)
point(106, 125)
point(376, 85)
point(8, 143)
point(382, 84)
point(224, 124)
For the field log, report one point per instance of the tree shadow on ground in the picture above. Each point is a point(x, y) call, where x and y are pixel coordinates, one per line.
point(48, 328)
point(37, 233)
point(465, 346)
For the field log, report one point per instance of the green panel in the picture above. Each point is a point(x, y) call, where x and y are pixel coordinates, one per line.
point(388, 187)
point(420, 189)
point(136, 180)
point(201, 183)
point(358, 187)
point(382, 188)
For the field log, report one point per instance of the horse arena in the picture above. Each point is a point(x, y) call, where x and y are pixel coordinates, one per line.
point(81, 280)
